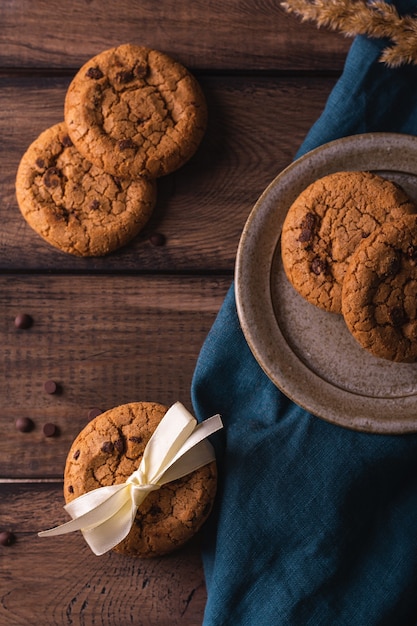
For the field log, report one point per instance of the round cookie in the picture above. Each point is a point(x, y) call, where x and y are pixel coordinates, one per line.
point(74, 205)
point(134, 111)
point(325, 224)
point(379, 298)
point(109, 449)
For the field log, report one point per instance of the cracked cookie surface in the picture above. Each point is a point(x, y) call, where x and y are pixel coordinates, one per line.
point(327, 222)
point(74, 205)
point(135, 111)
point(379, 299)
point(109, 449)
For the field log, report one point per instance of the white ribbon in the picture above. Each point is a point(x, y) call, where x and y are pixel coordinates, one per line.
point(177, 447)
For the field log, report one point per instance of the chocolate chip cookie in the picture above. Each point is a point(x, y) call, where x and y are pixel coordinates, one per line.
point(109, 449)
point(134, 111)
point(379, 297)
point(326, 223)
point(74, 205)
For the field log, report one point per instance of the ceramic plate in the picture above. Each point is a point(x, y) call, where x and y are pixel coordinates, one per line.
point(309, 353)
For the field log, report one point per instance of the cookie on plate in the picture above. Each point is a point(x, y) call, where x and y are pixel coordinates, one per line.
point(74, 205)
point(109, 449)
point(326, 223)
point(134, 111)
point(379, 298)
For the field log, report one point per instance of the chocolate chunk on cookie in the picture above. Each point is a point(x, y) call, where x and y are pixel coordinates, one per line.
point(379, 297)
point(327, 222)
point(135, 111)
point(74, 205)
point(109, 449)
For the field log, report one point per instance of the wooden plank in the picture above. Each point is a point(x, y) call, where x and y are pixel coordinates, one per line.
point(231, 35)
point(106, 341)
point(67, 584)
point(255, 128)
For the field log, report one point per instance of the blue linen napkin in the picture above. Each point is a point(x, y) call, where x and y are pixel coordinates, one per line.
point(314, 524)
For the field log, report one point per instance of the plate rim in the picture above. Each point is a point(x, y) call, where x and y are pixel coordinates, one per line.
point(252, 285)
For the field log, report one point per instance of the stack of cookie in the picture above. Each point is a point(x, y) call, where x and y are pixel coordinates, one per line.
point(349, 246)
point(88, 184)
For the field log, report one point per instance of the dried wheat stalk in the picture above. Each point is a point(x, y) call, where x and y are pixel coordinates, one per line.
point(375, 19)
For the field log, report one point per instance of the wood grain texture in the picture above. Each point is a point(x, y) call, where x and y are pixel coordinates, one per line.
point(207, 35)
point(59, 581)
point(255, 127)
point(105, 341)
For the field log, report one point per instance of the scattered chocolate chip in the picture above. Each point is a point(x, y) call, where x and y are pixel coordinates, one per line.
point(398, 316)
point(119, 444)
point(126, 144)
point(40, 163)
point(393, 266)
point(307, 228)
point(125, 76)
point(76, 455)
point(7, 538)
point(412, 253)
point(318, 266)
point(51, 178)
point(71, 489)
point(94, 412)
point(136, 439)
point(66, 141)
point(157, 239)
point(50, 386)
point(94, 72)
point(94, 205)
point(118, 183)
point(50, 430)
point(140, 71)
point(107, 447)
point(155, 510)
point(23, 321)
point(24, 424)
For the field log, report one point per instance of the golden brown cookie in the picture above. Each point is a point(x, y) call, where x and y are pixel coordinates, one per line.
point(326, 223)
point(74, 205)
point(109, 449)
point(134, 111)
point(379, 298)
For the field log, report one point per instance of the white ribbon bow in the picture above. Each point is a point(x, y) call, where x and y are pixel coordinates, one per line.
point(177, 447)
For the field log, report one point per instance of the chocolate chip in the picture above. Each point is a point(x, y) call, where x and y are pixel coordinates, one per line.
point(94, 412)
point(66, 141)
point(24, 424)
point(155, 510)
point(70, 489)
point(318, 266)
point(23, 321)
point(51, 178)
point(157, 239)
point(393, 266)
point(107, 447)
point(50, 386)
point(119, 444)
point(307, 228)
point(7, 538)
point(76, 455)
point(398, 316)
point(94, 72)
point(94, 205)
point(50, 430)
point(40, 163)
point(125, 76)
point(140, 71)
point(118, 183)
point(136, 439)
point(126, 144)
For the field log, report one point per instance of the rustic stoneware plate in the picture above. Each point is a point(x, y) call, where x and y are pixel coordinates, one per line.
point(308, 353)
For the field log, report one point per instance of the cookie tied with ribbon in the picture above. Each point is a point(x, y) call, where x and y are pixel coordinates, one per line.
point(140, 479)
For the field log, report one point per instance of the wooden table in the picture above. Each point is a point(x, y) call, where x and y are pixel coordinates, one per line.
point(129, 326)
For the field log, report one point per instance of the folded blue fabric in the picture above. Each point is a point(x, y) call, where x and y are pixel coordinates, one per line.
point(314, 524)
